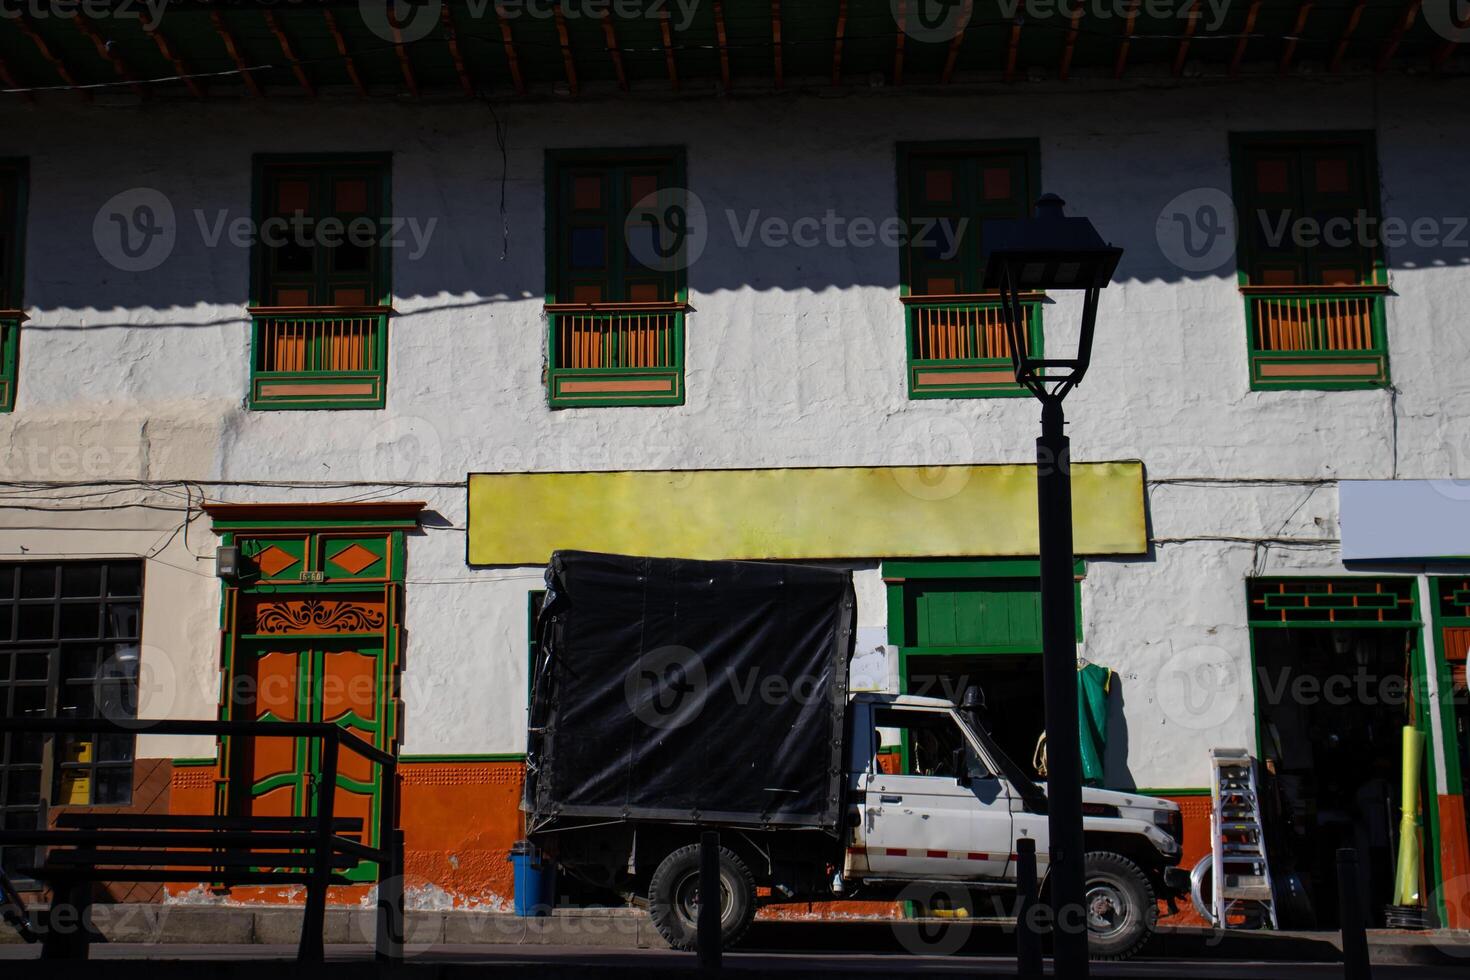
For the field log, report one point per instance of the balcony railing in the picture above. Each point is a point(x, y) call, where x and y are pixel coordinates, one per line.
point(1316, 336)
point(959, 346)
point(319, 357)
point(616, 354)
point(10, 321)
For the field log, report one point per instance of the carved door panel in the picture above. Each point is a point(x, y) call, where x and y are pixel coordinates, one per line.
point(311, 657)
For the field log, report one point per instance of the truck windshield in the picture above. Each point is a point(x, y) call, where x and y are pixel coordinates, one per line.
point(1032, 794)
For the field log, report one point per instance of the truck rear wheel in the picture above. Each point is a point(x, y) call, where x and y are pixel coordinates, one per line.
point(1121, 908)
point(673, 897)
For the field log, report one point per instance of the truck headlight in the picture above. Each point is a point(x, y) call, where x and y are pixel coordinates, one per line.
point(1171, 822)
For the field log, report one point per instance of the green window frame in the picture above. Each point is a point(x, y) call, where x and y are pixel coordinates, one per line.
point(321, 281)
point(14, 184)
point(615, 324)
point(1314, 304)
point(955, 335)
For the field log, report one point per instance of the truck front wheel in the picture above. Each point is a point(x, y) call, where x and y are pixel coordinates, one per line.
point(673, 897)
point(1121, 908)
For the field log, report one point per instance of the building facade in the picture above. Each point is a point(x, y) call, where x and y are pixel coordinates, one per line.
point(740, 319)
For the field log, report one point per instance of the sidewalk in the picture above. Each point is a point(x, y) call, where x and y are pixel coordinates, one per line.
point(630, 929)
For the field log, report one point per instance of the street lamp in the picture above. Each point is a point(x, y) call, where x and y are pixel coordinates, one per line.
point(1052, 252)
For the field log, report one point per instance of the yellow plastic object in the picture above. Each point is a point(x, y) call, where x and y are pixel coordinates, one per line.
point(837, 512)
point(1406, 881)
point(76, 788)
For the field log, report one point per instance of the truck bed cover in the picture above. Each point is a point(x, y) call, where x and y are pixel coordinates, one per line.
point(689, 691)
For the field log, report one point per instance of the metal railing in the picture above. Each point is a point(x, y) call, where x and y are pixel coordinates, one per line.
point(10, 321)
point(1316, 335)
point(225, 847)
point(303, 357)
point(959, 345)
point(616, 353)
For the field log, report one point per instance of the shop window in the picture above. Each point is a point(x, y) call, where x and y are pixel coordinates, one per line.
point(617, 231)
point(321, 282)
point(69, 648)
point(12, 257)
point(958, 345)
point(1311, 265)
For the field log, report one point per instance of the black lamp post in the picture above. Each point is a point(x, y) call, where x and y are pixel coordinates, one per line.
point(1051, 252)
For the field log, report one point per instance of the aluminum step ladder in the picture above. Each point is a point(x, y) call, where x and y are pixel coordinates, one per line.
point(1242, 874)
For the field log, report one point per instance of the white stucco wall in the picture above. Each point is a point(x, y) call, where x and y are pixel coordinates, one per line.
point(795, 356)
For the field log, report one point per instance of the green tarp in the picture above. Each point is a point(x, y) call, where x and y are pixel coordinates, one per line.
point(1092, 720)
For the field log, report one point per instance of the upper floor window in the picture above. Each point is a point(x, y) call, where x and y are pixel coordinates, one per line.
point(1310, 259)
point(12, 274)
point(321, 287)
point(616, 293)
point(957, 340)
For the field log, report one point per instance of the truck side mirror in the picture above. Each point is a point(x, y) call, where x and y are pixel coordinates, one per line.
point(961, 766)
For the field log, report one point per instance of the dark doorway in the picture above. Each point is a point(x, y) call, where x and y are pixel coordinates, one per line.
point(1332, 704)
point(1012, 687)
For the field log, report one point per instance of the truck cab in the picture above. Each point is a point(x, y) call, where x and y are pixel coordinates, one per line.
point(948, 805)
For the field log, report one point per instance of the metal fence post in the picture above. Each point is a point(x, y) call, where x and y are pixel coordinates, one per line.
point(1350, 913)
point(314, 919)
point(707, 932)
point(389, 938)
point(1028, 940)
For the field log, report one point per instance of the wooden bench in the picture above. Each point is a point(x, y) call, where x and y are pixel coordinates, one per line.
point(226, 849)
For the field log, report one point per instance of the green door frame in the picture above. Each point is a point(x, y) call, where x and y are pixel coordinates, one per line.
point(1423, 720)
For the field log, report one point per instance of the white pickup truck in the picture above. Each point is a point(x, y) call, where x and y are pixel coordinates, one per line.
point(674, 697)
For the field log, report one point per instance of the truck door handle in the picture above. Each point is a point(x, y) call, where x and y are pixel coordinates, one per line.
point(890, 799)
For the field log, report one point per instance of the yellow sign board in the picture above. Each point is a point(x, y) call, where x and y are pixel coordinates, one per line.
point(838, 512)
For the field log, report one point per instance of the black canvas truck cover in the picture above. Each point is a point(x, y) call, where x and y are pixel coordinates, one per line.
point(689, 691)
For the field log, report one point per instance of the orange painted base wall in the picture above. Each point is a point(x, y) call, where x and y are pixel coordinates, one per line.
point(459, 821)
point(1196, 844)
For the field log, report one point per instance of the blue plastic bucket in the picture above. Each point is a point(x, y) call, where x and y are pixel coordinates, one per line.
point(535, 880)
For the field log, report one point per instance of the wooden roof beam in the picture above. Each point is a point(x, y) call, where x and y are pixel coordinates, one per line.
point(724, 43)
point(508, 42)
point(1296, 35)
point(1064, 68)
point(405, 63)
point(776, 41)
point(898, 37)
point(62, 71)
point(1183, 53)
point(233, 49)
point(1245, 36)
point(1442, 54)
point(196, 87)
point(348, 62)
point(451, 39)
point(1391, 44)
point(9, 79)
point(1340, 51)
point(837, 35)
point(109, 54)
point(297, 68)
point(1121, 64)
point(568, 65)
point(1013, 50)
point(668, 37)
point(955, 43)
point(610, 38)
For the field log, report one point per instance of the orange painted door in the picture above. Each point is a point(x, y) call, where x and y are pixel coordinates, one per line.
point(313, 658)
